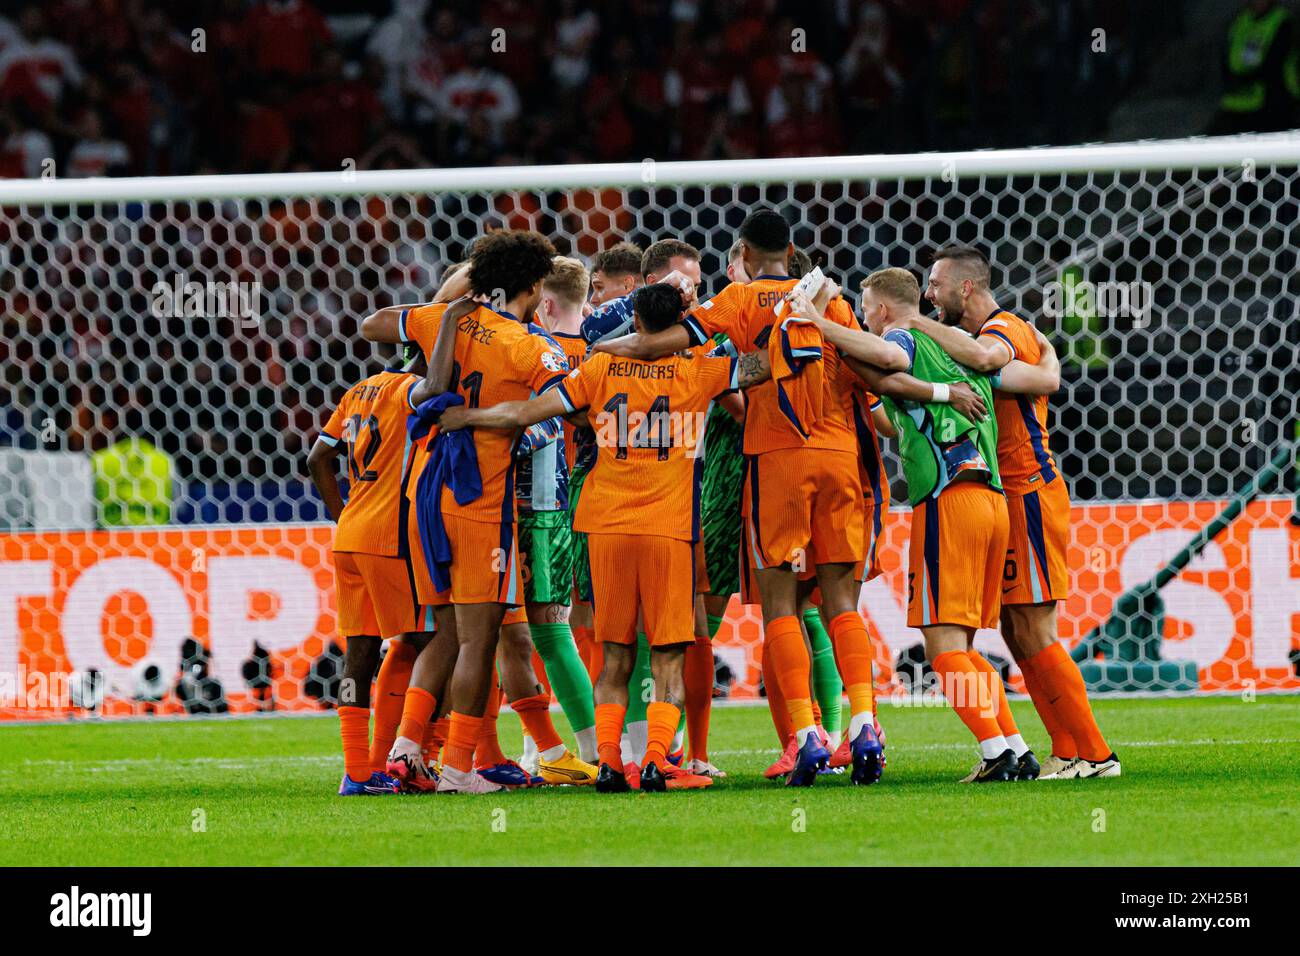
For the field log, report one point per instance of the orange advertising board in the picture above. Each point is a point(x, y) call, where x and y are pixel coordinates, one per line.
point(109, 600)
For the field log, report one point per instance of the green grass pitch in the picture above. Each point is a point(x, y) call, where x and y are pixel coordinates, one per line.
point(1206, 781)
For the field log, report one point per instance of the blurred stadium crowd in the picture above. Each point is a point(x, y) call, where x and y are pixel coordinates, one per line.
point(142, 87)
point(107, 87)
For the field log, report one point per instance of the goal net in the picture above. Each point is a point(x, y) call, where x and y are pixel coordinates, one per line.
point(171, 347)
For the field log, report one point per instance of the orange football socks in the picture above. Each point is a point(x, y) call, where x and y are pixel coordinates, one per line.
point(776, 702)
point(609, 728)
point(462, 737)
point(784, 643)
point(661, 720)
point(997, 693)
point(852, 646)
point(1061, 680)
point(354, 728)
point(698, 675)
point(535, 713)
point(961, 682)
point(416, 713)
point(435, 735)
point(390, 699)
point(488, 753)
point(1063, 745)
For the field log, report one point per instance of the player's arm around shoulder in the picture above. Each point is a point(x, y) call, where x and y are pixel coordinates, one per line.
point(388, 324)
point(866, 347)
point(505, 415)
point(647, 346)
point(1041, 378)
point(698, 324)
point(985, 353)
point(393, 323)
point(850, 340)
point(437, 379)
point(557, 400)
point(902, 386)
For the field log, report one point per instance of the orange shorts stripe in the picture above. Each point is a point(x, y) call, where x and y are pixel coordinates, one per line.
point(420, 569)
point(485, 566)
point(955, 558)
point(873, 529)
point(647, 573)
point(1036, 571)
point(376, 597)
point(802, 501)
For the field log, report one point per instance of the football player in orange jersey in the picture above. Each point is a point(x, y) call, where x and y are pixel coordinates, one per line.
point(668, 259)
point(419, 682)
point(494, 357)
point(650, 418)
point(956, 566)
point(412, 679)
point(825, 686)
point(978, 333)
point(870, 421)
point(374, 581)
point(719, 544)
point(796, 426)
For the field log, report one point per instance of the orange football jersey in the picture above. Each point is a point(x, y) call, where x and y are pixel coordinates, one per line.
point(649, 419)
point(371, 420)
point(1024, 457)
point(497, 360)
point(746, 314)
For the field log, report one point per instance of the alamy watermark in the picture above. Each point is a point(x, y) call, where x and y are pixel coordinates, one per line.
point(39, 690)
point(1109, 300)
point(980, 690)
point(73, 909)
point(188, 299)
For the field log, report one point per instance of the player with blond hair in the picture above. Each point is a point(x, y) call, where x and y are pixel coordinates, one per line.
point(980, 334)
point(545, 532)
point(959, 519)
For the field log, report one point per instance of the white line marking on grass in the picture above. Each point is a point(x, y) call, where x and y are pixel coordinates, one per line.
point(219, 763)
point(1206, 742)
point(249, 762)
point(1231, 698)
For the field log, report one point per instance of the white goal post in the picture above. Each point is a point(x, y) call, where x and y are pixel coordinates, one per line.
point(171, 345)
point(1227, 152)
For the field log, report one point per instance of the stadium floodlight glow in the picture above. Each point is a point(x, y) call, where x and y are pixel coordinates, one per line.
point(155, 492)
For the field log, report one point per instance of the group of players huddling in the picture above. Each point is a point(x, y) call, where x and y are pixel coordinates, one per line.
point(571, 474)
